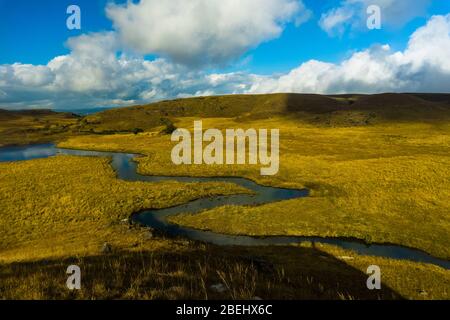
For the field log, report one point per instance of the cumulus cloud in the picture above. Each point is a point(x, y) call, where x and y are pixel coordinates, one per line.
point(352, 14)
point(423, 66)
point(96, 73)
point(25, 75)
point(202, 32)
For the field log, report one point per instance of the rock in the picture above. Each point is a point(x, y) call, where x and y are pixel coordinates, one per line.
point(148, 235)
point(106, 248)
point(219, 288)
point(346, 258)
point(423, 293)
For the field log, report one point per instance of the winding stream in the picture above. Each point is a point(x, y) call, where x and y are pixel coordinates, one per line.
point(126, 169)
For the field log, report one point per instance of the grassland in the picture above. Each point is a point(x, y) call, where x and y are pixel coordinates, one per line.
point(318, 110)
point(382, 183)
point(35, 126)
point(184, 270)
point(60, 205)
point(378, 170)
point(48, 223)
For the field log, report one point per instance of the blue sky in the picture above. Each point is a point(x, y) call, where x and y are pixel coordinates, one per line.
point(35, 32)
point(298, 45)
point(271, 48)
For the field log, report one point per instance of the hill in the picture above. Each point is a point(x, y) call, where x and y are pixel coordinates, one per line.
point(333, 110)
point(39, 113)
point(33, 126)
point(26, 126)
point(155, 114)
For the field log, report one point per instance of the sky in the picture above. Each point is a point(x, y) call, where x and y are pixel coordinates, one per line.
point(134, 52)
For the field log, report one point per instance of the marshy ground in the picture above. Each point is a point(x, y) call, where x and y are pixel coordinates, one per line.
point(378, 172)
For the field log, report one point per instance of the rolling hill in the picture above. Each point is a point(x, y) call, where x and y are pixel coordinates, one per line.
point(25, 126)
point(32, 126)
point(334, 110)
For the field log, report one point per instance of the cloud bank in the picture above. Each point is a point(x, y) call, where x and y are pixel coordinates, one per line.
point(423, 67)
point(97, 73)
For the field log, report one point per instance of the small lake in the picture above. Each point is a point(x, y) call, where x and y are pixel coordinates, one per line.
point(126, 169)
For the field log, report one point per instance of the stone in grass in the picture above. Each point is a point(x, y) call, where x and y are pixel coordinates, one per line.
point(126, 221)
point(219, 288)
point(106, 248)
point(148, 235)
point(346, 258)
point(423, 293)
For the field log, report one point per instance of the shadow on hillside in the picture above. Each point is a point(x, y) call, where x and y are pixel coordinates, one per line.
point(244, 273)
point(360, 110)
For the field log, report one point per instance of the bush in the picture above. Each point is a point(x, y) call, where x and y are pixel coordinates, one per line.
point(169, 126)
point(137, 130)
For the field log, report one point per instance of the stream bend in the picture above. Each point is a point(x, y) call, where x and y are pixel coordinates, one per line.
point(126, 169)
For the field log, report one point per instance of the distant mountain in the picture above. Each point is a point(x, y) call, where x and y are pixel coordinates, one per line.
point(85, 112)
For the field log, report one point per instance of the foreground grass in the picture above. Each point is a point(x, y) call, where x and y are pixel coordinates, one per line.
point(387, 183)
point(183, 270)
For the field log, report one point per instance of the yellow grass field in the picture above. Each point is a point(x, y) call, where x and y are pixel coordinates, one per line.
point(388, 183)
point(65, 206)
point(61, 210)
point(34, 126)
point(376, 177)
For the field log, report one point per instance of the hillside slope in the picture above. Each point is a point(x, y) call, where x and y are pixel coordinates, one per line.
point(33, 126)
point(337, 110)
point(319, 110)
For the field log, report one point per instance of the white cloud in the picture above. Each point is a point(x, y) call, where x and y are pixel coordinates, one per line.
point(25, 75)
point(91, 65)
point(336, 20)
point(352, 14)
point(96, 74)
point(423, 66)
point(429, 46)
point(201, 32)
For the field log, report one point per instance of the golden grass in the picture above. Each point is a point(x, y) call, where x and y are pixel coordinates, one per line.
point(182, 270)
point(24, 127)
point(61, 210)
point(65, 206)
point(384, 183)
point(381, 183)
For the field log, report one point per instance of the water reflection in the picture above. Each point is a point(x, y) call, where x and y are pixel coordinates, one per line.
point(27, 153)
